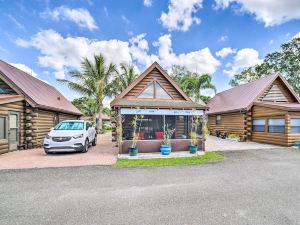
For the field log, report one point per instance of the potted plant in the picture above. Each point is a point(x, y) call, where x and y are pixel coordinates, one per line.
point(165, 147)
point(133, 150)
point(193, 147)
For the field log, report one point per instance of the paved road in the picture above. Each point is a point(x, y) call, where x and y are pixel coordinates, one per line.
point(250, 187)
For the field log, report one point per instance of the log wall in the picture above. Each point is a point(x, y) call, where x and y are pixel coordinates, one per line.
point(233, 123)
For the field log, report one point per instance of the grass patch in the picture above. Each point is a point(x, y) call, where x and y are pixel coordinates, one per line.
point(209, 157)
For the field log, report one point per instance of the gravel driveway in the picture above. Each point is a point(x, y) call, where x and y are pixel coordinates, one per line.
point(249, 187)
point(103, 154)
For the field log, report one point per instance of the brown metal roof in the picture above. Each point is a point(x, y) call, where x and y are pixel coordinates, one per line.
point(289, 106)
point(240, 98)
point(175, 104)
point(37, 93)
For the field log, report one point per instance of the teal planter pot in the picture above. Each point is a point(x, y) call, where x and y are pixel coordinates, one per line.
point(193, 148)
point(133, 151)
point(165, 149)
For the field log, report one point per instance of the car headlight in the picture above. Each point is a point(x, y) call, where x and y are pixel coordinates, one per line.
point(78, 136)
point(48, 136)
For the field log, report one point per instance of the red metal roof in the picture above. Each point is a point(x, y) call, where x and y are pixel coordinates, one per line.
point(239, 98)
point(37, 93)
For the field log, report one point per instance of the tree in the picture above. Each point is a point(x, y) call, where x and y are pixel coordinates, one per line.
point(124, 78)
point(94, 80)
point(286, 61)
point(192, 83)
point(87, 106)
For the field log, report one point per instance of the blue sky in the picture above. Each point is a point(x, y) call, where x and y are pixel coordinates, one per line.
point(220, 37)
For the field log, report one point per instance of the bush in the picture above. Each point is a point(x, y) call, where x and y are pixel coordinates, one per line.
point(233, 136)
point(106, 127)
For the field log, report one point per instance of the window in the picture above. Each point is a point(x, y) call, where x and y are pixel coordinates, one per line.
point(148, 92)
point(295, 125)
point(2, 128)
point(218, 119)
point(154, 90)
point(276, 125)
point(258, 125)
point(160, 92)
point(70, 126)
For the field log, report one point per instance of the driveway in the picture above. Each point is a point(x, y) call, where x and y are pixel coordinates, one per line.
point(218, 144)
point(103, 154)
point(249, 187)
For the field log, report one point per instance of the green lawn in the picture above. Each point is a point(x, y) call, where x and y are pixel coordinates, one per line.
point(209, 157)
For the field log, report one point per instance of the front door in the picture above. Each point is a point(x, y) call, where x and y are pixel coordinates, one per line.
point(13, 131)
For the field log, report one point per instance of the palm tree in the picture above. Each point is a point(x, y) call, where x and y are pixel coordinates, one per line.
point(194, 83)
point(125, 77)
point(93, 81)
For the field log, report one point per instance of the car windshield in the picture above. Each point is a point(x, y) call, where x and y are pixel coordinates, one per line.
point(70, 126)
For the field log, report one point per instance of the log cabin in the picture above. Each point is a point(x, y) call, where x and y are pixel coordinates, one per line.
point(29, 108)
point(162, 103)
point(266, 110)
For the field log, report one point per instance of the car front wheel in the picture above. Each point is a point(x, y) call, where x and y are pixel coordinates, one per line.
point(86, 146)
point(94, 143)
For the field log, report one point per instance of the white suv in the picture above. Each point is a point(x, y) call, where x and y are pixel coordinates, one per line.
point(71, 136)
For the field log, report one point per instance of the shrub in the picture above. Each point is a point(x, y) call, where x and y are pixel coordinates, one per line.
point(233, 136)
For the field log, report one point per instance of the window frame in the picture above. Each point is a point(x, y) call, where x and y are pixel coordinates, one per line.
point(294, 126)
point(5, 128)
point(265, 123)
point(276, 125)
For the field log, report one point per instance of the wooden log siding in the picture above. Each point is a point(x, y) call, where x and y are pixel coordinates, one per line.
point(4, 111)
point(154, 74)
point(292, 137)
point(260, 112)
point(234, 123)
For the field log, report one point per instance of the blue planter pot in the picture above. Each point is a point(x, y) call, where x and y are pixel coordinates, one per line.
point(165, 149)
point(297, 143)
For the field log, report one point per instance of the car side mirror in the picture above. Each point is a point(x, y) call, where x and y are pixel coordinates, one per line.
point(52, 128)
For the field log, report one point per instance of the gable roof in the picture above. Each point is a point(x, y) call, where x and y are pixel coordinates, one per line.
point(241, 98)
point(36, 92)
point(134, 102)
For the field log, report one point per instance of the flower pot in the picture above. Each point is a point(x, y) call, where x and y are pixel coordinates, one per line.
point(193, 148)
point(165, 149)
point(133, 151)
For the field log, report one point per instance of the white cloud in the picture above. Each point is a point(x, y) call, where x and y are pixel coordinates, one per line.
point(139, 50)
point(64, 53)
point(201, 61)
point(244, 58)
point(271, 42)
point(225, 52)
point(148, 3)
point(296, 35)
point(80, 16)
point(223, 38)
point(61, 54)
point(180, 15)
point(24, 68)
point(268, 11)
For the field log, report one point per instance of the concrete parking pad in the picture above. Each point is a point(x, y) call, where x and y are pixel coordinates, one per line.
point(103, 154)
point(217, 144)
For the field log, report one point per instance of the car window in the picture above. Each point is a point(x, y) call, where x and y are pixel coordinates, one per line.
point(88, 125)
point(71, 125)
